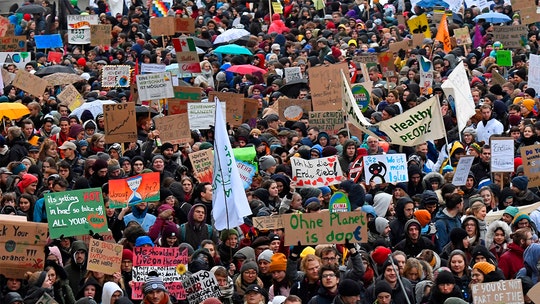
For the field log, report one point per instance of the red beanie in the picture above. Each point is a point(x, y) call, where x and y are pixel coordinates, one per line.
point(336, 53)
point(380, 254)
point(27, 17)
point(26, 181)
point(81, 62)
point(330, 25)
point(127, 255)
point(518, 161)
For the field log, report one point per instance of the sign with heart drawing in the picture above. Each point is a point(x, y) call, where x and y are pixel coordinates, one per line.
point(317, 172)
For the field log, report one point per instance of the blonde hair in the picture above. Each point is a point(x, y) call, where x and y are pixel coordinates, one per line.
point(475, 208)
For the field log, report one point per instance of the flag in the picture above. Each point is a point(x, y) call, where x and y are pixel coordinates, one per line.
point(457, 87)
point(443, 35)
point(229, 200)
point(477, 37)
point(319, 4)
point(184, 44)
point(426, 72)
point(417, 125)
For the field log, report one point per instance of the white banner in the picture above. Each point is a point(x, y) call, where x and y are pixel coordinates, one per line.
point(147, 68)
point(317, 172)
point(387, 168)
point(155, 86)
point(20, 59)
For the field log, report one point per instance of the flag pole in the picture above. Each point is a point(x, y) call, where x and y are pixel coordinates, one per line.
point(216, 102)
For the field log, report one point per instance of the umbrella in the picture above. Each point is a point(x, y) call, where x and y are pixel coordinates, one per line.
point(13, 110)
point(245, 69)
point(202, 43)
point(432, 3)
point(200, 51)
point(493, 17)
point(95, 107)
point(31, 9)
point(292, 89)
point(53, 69)
point(233, 49)
point(231, 34)
point(62, 78)
point(241, 41)
point(144, 110)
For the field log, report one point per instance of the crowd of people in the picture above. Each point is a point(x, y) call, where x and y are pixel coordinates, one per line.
point(428, 240)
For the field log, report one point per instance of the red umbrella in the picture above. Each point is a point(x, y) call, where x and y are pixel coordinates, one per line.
point(245, 69)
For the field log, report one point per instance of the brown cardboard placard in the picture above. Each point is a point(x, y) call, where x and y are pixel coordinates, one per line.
point(462, 36)
point(203, 165)
point(268, 222)
point(531, 164)
point(173, 128)
point(510, 35)
point(527, 11)
point(235, 106)
point(184, 25)
point(183, 95)
point(398, 45)
point(30, 83)
point(329, 122)
point(251, 108)
point(162, 26)
point(293, 109)
point(326, 86)
point(386, 61)
point(100, 34)
point(71, 96)
point(104, 256)
point(13, 44)
point(507, 291)
point(534, 293)
point(120, 123)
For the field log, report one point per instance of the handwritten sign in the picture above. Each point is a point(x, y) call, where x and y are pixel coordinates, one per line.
point(339, 202)
point(184, 25)
point(388, 168)
point(510, 35)
point(419, 25)
point(528, 10)
point(155, 86)
point(148, 68)
point(531, 164)
point(134, 190)
point(79, 28)
point(115, 76)
point(534, 72)
point(203, 165)
point(508, 292)
point(174, 128)
point(268, 222)
point(120, 122)
point(183, 95)
point(326, 86)
point(201, 114)
point(71, 96)
point(13, 44)
point(54, 57)
point(20, 59)
point(462, 170)
point(163, 261)
point(292, 74)
point(107, 237)
point(201, 286)
point(325, 227)
point(46, 299)
point(21, 247)
point(75, 212)
point(317, 172)
point(502, 154)
point(329, 122)
point(235, 106)
point(186, 55)
point(4, 25)
point(462, 36)
point(48, 41)
point(30, 83)
point(251, 108)
point(104, 257)
point(100, 34)
point(162, 26)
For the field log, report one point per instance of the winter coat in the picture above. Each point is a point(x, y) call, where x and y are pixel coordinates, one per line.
point(511, 261)
point(444, 224)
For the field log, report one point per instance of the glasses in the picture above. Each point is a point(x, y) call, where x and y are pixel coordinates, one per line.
point(328, 275)
point(329, 259)
point(250, 273)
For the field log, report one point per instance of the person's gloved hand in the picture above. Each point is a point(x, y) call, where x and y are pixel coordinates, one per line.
point(350, 246)
point(296, 250)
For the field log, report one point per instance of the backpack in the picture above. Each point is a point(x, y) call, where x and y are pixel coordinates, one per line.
point(183, 231)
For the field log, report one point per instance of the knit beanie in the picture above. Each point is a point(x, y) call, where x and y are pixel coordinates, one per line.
point(306, 251)
point(511, 210)
point(225, 234)
point(127, 255)
point(143, 240)
point(454, 300)
point(520, 182)
point(266, 255)
point(457, 235)
point(484, 267)
point(382, 286)
point(423, 216)
point(26, 181)
point(380, 224)
point(249, 265)
point(445, 277)
point(266, 162)
point(278, 262)
point(520, 216)
point(153, 283)
point(18, 169)
point(99, 164)
point(380, 254)
point(528, 103)
point(349, 288)
point(169, 230)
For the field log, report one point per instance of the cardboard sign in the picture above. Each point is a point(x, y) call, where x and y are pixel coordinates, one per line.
point(173, 129)
point(502, 154)
point(504, 58)
point(46, 299)
point(329, 122)
point(386, 61)
point(235, 106)
point(462, 36)
point(201, 286)
point(325, 227)
point(528, 11)
point(162, 26)
point(388, 168)
point(292, 74)
point(75, 212)
point(71, 96)
point(164, 261)
point(21, 247)
point(48, 41)
point(4, 26)
point(54, 57)
point(107, 237)
point(30, 83)
point(20, 59)
point(201, 114)
point(155, 86)
point(115, 76)
point(510, 35)
point(148, 68)
point(186, 55)
point(13, 44)
point(79, 28)
point(203, 165)
point(251, 109)
point(534, 72)
point(317, 172)
point(326, 86)
point(534, 293)
point(507, 291)
point(462, 170)
point(120, 123)
point(268, 222)
point(531, 164)
point(104, 257)
point(184, 25)
point(339, 202)
point(100, 34)
point(365, 58)
point(182, 95)
point(419, 25)
point(134, 190)
point(396, 46)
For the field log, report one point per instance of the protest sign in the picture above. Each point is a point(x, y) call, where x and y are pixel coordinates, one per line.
point(162, 26)
point(462, 170)
point(507, 291)
point(134, 190)
point(534, 293)
point(46, 299)
point(502, 154)
point(164, 262)
point(316, 172)
point(203, 165)
point(534, 72)
point(20, 59)
point(201, 114)
point(184, 25)
point(104, 257)
point(107, 237)
point(71, 96)
point(75, 212)
point(21, 247)
point(120, 123)
point(4, 26)
point(327, 86)
point(235, 106)
point(329, 122)
point(462, 36)
point(339, 202)
point(115, 76)
point(396, 46)
point(426, 72)
point(48, 41)
point(148, 68)
point(510, 35)
point(527, 9)
point(155, 86)
point(362, 94)
point(79, 28)
point(13, 44)
point(100, 34)
point(251, 108)
point(419, 25)
point(292, 109)
point(201, 286)
point(246, 162)
point(186, 55)
point(54, 57)
point(268, 222)
point(325, 227)
point(173, 128)
point(386, 61)
point(30, 83)
point(387, 168)
point(182, 95)
point(504, 58)
point(292, 74)
point(531, 164)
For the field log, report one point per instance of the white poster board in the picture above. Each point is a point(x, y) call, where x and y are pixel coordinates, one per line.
point(387, 168)
point(502, 155)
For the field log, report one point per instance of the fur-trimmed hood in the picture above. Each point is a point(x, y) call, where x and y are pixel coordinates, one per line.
point(491, 232)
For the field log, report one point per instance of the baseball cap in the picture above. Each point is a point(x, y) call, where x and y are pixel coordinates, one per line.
point(5, 170)
point(68, 145)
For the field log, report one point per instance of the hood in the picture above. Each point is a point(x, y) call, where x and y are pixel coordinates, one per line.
point(412, 222)
point(88, 282)
point(78, 245)
point(491, 232)
point(109, 289)
point(531, 256)
point(400, 208)
point(247, 252)
point(381, 202)
point(192, 210)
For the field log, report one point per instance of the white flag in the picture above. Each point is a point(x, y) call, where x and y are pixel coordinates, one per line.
point(457, 87)
point(229, 200)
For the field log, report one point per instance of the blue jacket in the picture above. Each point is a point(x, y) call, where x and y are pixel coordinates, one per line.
point(444, 225)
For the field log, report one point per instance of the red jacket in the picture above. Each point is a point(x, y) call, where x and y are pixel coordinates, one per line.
point(511, 261)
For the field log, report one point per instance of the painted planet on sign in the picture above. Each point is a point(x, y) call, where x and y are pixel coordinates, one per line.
point(339, 202)
point(361, 95)
point(293, 113)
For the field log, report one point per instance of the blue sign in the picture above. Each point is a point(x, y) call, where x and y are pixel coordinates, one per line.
point(48, 41)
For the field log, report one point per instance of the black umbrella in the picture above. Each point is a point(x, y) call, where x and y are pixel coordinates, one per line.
point(53, 69)
point(202, 43)
point(292, 88)
point(31, 9)
point(144, 110)
point(241, 41)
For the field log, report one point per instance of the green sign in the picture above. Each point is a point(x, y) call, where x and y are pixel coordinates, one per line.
point(339, 202)
point(75, 212)
point(504, 58)
point(362, 96)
